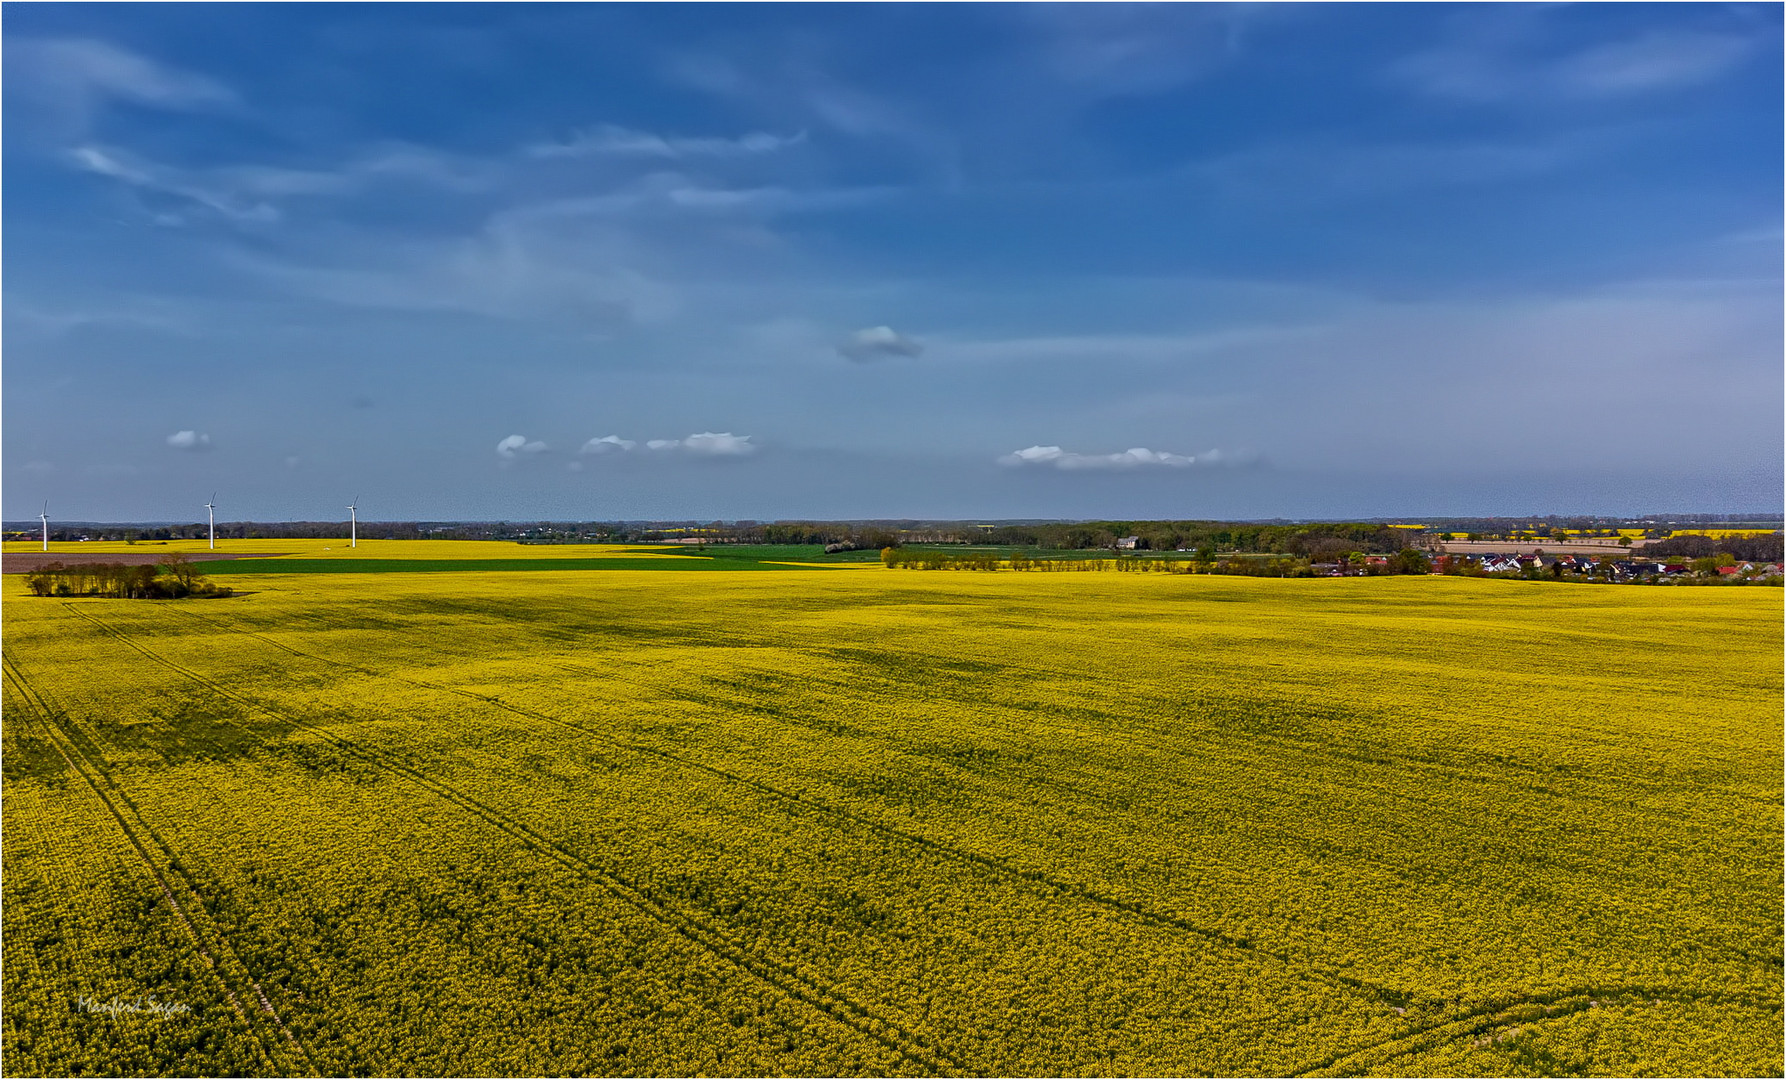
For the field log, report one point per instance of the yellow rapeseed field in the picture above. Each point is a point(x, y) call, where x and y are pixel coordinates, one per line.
point(865, 821)
point(1718, 534)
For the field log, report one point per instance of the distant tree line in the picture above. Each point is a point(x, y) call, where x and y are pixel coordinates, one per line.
point(1405, 561)
point(1316, 540)
point(1755, 547)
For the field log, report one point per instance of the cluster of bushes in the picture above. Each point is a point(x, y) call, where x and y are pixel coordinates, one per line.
point(931, 559)
point(173, 577)
point(1264, 567)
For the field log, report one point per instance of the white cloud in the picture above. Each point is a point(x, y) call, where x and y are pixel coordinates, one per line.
point(189, 440)
point(723, 444)
point(608, 444)
point(610, 140)
point(1133, 458)
point(878, 342)
point(517, 446)
point(706, 444)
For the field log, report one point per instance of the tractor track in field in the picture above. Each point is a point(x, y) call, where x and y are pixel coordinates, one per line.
point(1450, 771)
point(1154, 737)
point(1035, 879)
point(783, 976)
point(111, 796)
point(1529, 1009)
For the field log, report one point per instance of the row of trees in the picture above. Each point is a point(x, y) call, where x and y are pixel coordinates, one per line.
point(1273, 539)
point(1406, 561)
point(172, 578)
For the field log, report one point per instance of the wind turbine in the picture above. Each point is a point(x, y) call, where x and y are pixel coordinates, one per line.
point(212, 507)
point(46, 524)
point(353, 523)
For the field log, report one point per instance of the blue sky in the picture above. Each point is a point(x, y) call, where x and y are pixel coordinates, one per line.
point(742, 261)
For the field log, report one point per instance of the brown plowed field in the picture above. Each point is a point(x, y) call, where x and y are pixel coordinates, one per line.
point(25, 563)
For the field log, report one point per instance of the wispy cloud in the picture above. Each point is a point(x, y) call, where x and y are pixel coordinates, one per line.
point(609, 140)
point(597, 261)
point(878, 343)
point(583, 279)
point(255, 192)
point(1148, 348)
point(1503, 71)
point(128, 312)
point(1320, 170)
point(126, 168)
point(1131, 48)
point(1138, 457)
point(672, 194)
point(1772, 234)
point(77, 77)
point(806, 94)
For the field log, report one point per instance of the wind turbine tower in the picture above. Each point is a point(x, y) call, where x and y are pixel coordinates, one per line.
point(46, 524)
point(212, 507)
point(353, 523)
